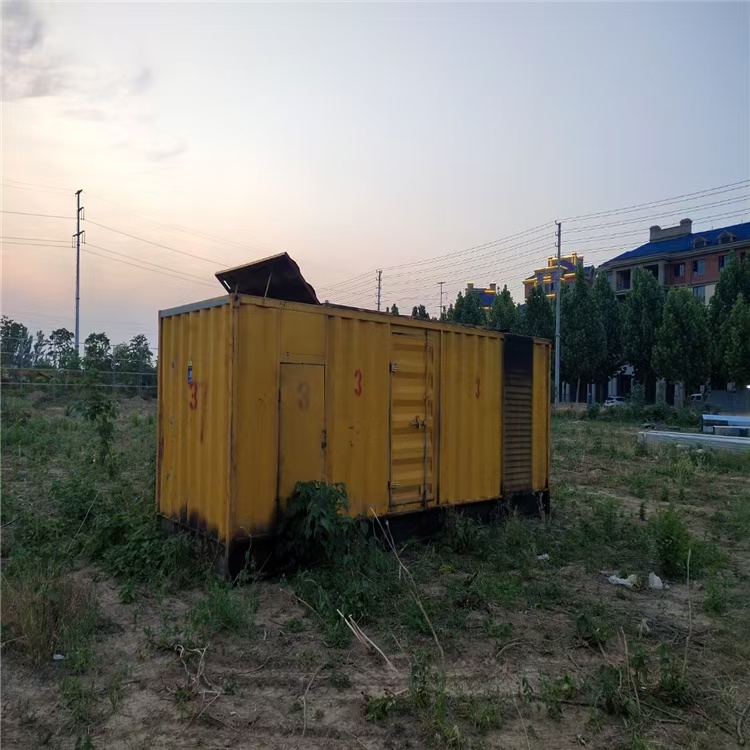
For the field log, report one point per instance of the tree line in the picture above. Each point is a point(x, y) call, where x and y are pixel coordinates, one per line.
point(672, 335)
point(130, 363)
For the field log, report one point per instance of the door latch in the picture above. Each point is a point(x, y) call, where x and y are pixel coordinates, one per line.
point(418, 423)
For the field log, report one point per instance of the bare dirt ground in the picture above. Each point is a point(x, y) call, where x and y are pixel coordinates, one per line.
point(547, 654)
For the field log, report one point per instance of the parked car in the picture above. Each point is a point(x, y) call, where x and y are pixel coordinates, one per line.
point(697, 398)
point(615, 401)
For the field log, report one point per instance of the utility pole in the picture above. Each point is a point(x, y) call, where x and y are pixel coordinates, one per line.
point(557, 316)
point(380, 287)
point(440, 311)
point(77, 238)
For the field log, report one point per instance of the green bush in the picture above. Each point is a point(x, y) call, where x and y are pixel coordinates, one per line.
point(315, 526)
point(340, 565)
point(673, 541)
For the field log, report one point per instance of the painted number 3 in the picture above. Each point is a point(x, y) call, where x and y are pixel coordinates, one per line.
point(358, 381)
point(478, 391)
point(303, 393)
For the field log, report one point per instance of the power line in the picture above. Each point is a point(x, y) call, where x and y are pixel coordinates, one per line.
point(28, 213)
point(144, 268)
point(36, 185)
point(213, 261)
point(33, 189)
point(36, 244)
point(148, 262)
point(636, 219)
point(177, 227)
point(729, 187)
point(31, 239)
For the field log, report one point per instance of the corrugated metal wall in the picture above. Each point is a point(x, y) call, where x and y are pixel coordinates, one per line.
point(470, 416)
point(194, 408)
point(541, 416)
point(357, 397)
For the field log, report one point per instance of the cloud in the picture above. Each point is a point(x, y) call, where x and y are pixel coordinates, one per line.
point(28, 69)
point(94, 93)
point(166, 152)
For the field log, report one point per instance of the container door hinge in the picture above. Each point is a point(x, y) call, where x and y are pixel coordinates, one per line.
point(324, 440)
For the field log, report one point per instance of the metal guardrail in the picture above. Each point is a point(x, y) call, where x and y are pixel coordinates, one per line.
point(696, 440)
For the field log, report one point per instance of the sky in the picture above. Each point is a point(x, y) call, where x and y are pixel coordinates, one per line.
point(355, 137)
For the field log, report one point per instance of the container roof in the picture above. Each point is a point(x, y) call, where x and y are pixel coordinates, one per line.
point(277, 277)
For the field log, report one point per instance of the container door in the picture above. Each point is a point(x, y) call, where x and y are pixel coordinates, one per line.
point(412, 418)
point(302, 437)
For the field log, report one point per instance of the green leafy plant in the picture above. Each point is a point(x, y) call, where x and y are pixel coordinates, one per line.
point(315, 526)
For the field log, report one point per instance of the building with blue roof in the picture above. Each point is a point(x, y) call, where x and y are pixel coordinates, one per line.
point(677, 256)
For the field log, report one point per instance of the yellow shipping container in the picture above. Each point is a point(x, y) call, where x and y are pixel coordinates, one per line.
point(257, 392)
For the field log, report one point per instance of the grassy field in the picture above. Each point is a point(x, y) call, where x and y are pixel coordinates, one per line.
point(501, 636)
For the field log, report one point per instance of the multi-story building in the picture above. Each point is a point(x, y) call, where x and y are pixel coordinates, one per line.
point(677, 256)
point(546, 277)
point(486, 296)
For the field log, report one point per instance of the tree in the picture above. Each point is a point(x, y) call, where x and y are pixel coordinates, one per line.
point(643, 314)
point(504, 312)
point(468, 310)
point(135, 361)
point(97, 353)
point(537, 316)
point(393, 310)
point(15, 343)
point(39, 351)
point(738, 342)
point(420, 312)
point(583, 341)
point(62, 349)
point(610, 314)
point(681, 354)
point(733, 280)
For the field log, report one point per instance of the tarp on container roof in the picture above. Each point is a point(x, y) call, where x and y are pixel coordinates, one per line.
point(277, 277)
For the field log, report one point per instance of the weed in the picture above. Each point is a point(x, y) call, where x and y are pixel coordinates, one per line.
point(315, 526)
point(500, 631)
point(224, 609)
point(553, 692)
point(114, 691)
point(80, 699)
point(47, 615)
point(101, 409)
point(673, 687)
point(340, 680)
point(482, 712)
point(609, 692)
point(294, 625)
point(230, 686)
point(638, 486)
point(717, 595)
point(593, 628)
point(672, 540)
point(463, 535)
point(380, 708)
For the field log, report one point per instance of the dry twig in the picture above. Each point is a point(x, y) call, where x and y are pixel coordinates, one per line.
point(690, 616)
point(407, 573)
point(523, 723)
point(631, 676)
point(741, 718)
point(506, 647)
point(304, 699)
point(359, 634)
